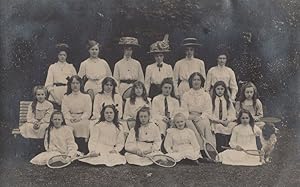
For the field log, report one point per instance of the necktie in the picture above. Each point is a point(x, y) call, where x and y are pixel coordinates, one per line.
point(220, 110)
point(166, 108)
point(159, 66)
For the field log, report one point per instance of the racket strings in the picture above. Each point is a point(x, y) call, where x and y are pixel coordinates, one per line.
point(59, 161)
point(211, 151)
point(163, 160)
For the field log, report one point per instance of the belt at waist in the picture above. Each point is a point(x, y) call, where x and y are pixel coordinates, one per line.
point(148, 141)
point(59, 84)
point(76, 112)
point(127, 81)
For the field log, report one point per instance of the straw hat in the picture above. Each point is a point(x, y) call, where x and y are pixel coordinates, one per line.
point(160, 46)
point(190, 42)
point(129, 41)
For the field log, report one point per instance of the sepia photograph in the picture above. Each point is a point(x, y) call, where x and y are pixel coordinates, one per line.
point(150, 93)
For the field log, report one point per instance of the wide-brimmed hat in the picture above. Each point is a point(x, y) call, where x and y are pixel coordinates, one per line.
point(129, 41)
point(190, 42)
point(160, 46)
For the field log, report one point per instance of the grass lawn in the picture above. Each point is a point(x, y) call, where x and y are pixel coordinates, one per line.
point(283, 171)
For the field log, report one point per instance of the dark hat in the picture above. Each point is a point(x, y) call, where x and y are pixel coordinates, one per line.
point(193, 42)
point(129, 41)
point(160, 46)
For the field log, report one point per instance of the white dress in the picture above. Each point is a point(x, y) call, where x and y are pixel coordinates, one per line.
point(243, 136)
point(224, 74)
point(106, 137)
point(182, 144)
point(128, 70)
point(42, 114)
point(61, 142)
point(158, 110)
point(149, 139)
point(198, 103)
point(95, 70)
point(78, 105)
point(58, 73)
point(183, 69)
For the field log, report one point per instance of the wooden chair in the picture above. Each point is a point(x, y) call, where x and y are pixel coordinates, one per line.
point(22, 117)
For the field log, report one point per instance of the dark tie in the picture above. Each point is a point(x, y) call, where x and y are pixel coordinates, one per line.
point(166, 107)
point(159, 66)
point(220, 110)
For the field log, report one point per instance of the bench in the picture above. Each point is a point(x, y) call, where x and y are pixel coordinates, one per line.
point(22, 117)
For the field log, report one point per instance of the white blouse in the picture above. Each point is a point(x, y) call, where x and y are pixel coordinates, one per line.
point(244, 136)
point(77, 103)
point(43, 112)
point(130, 110)
point(106, 99)
point(224, 74)
point(177, 139)
point(58, 72)
point(95, 69)
point(197, 101)
point(128, 70)
point(155, 75)
point(147, 133)
point(227, 114)
point(108, 134)
point(61, 140)
point(185, 67)
point(158, 106)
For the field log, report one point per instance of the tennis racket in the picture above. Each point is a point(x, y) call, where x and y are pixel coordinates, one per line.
point(252, 152)
point(162, 160)
point(61, 161)
point(209, 149)
point(270, 119)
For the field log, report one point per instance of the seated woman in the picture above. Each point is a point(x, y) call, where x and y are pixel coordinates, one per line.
point(243, 138)
point(107, 139)
point(59, 140)
point(77, 108)
point(164, 106)
point(199, 105)
point(56, 81)
point(181, 142)
point(249, 101)
point(138, 99)
point(38, 115)
point(107, 96)
point(223, 115)
point(143, 139)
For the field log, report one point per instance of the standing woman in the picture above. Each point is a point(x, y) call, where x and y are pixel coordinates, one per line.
point(93, 69)
point(186, 66)
point(77, 108)
point(199, 105)
point(128, 70)
point(159, 70)
point(222, 73)
point(56, 82)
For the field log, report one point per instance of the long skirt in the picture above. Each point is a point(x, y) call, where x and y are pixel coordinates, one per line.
point(202, 126)
point(27, 131)
point(93, 85)
point(138, 160)
point(185, 151)
point(105, 158)
point(81, 128)
point(42, 158)
point(238, 158)
point(154, 90)
point(59, 92)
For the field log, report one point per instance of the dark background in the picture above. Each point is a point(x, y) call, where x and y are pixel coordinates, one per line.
point(31, 28)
